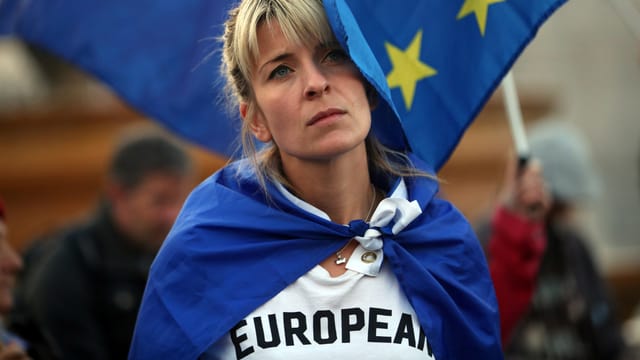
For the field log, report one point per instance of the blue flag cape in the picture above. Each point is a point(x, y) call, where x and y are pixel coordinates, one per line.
point(231, 250)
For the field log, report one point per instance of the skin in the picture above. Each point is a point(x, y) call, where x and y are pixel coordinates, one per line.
point(525, 193)
point(311, 102)
point(10, 265)
point(147, 211)
point(13, 351)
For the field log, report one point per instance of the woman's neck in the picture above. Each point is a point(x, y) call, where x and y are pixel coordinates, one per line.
point(341, 188)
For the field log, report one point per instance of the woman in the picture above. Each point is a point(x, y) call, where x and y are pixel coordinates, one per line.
point(280, 255)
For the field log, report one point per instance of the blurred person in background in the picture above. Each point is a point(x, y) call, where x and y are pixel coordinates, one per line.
point(14, 345)
point(571, 314)
point(631, 327)
point(11, 345)
point(515, 240)
point(84, 285)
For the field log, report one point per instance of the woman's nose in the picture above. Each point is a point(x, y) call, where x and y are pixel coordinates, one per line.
point(317, 82)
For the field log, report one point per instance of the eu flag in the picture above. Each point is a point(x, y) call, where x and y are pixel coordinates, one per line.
point(159, 56)
point(433, 62)
point(436, 62)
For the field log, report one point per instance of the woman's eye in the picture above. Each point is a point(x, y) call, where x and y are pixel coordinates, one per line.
point(279, 72)
point(336, 56)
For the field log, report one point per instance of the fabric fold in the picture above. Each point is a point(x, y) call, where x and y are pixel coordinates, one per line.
point(232, 249)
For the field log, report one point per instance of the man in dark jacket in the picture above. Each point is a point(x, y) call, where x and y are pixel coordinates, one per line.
point(84, 286)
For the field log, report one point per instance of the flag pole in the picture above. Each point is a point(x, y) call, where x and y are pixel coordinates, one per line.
point(514, 115)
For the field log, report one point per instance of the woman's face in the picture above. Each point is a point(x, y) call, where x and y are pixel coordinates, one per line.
point(10, 264)
point(310, 101)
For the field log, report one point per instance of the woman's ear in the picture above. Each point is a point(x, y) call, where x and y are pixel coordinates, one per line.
point(243, 110)
point(256, 122)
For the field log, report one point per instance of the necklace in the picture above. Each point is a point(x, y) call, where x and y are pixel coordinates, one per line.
point(340, 259)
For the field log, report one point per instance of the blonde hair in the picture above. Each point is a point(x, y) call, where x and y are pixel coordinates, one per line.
point(302, 22)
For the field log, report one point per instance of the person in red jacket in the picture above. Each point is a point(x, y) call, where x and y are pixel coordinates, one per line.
point(553, 301)
point(517, 241)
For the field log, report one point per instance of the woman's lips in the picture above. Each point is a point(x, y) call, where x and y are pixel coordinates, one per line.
point(324, 115)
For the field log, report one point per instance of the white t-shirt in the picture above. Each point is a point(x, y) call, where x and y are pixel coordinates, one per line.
point(353, 315)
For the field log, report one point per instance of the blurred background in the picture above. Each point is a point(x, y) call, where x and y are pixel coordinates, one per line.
point(58, 127)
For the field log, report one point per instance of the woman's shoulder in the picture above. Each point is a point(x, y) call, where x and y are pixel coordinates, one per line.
point(229, 193)
point(237, 175)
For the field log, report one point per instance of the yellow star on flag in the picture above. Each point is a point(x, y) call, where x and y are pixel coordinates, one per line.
point(480, 8)
point(407, 68)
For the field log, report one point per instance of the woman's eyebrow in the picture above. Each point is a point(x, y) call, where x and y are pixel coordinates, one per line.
point(277, 58)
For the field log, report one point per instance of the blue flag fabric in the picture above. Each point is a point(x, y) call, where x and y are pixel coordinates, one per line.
point(159, 56)
point(231, 250)
point(434, 63)
point(437, 62)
